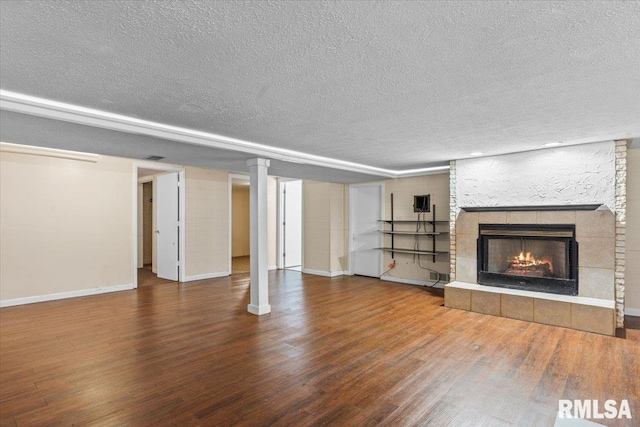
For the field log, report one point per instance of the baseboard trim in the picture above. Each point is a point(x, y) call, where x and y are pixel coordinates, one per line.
point(272, 267)
point(324, 273)
point(632, 312)
point(65, 295)
point(206, 276)
point(413, 282)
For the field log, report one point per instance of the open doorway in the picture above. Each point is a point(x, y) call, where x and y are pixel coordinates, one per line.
point(290, 224)
point(159, 255)
point(146, 274)
point(240, 225)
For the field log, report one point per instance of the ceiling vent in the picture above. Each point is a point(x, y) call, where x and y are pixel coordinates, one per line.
point(154, 158)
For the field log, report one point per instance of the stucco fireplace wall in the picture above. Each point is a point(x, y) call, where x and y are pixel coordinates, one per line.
point(575, 175)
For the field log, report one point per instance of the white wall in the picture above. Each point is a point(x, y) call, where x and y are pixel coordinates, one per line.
point(579, 174)
point(207, 223)
point(326, 225)
point(66, 225)
point(316, 221)
point(407, 266)
point(324, 228)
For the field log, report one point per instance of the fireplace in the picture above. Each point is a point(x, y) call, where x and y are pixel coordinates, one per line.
point(541, 258)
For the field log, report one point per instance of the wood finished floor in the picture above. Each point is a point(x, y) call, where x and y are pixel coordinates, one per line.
point(348, 351)
point(240, 264)
point(146, 277)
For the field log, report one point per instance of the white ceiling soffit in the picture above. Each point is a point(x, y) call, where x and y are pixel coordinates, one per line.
point(24, 104)
point(387, 87)
point(59, 134)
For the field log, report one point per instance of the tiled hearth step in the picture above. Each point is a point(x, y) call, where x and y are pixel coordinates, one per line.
point(585, 314)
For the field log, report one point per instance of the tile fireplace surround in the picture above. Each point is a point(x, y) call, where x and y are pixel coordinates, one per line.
point(592, 310)
point(591, 174)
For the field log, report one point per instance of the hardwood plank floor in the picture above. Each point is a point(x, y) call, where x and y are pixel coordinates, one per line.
point(240, 264)
point(335, 351)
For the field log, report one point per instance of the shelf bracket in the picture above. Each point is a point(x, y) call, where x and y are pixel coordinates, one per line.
point(392, 229)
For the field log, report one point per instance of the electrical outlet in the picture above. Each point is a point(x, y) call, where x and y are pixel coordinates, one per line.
point(434, 276)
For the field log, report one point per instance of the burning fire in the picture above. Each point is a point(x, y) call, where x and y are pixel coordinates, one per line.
point(526, 261)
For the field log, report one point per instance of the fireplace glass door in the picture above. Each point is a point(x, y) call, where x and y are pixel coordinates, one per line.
point(529, 257)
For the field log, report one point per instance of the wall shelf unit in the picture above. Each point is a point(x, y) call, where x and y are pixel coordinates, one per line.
point(412, 251)
point(413, 233)
point(423, 227)
point(411, 221)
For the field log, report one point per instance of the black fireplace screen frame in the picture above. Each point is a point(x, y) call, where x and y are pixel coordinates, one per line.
point(557, 232)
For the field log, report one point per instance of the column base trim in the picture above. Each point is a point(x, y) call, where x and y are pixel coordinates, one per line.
point(325, 273)
point(259, 310)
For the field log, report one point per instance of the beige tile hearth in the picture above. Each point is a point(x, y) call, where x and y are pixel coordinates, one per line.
point(582, 313)
point(517, 307)
point(459, 298)
point(593, 319)
point(556, 313)
point(485, 302)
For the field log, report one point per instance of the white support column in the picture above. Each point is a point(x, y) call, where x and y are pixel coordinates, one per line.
point(258, 208)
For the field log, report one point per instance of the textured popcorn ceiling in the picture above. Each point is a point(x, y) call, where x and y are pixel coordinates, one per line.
point(398, 85)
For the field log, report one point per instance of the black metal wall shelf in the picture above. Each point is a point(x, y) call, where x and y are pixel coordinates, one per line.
point(412, 221)
point(431, 234)
point(412, 251)
point(415, 233)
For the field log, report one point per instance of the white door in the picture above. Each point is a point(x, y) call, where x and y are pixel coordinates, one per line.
point(168, 217)
point(292, 224)
point(366, 210)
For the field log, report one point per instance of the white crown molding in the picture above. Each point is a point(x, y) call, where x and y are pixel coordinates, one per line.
point(25, 104)
point(7, 147)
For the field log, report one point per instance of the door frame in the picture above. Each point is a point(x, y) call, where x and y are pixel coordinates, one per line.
point(231, 177)
point(352, 189)
point(280, 220)
point(137, 214)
